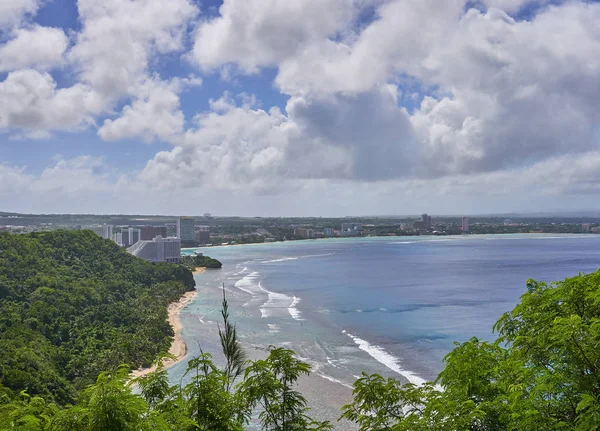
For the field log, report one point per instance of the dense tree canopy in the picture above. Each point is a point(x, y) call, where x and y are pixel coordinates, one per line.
point(193, 262)
point(73, 304)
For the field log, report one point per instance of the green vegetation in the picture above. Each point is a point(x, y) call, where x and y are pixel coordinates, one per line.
point(203, 404)
point(543, 373)
point(232, 349)
point(193, 262)
point(73, 305)
point(208, 402)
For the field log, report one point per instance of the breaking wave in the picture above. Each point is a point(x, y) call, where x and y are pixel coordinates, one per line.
point(385, 358)
point(275, 302)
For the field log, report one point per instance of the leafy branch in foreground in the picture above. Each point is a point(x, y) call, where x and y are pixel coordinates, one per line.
point(209, 403)
point(269, 384)
point(232, 349)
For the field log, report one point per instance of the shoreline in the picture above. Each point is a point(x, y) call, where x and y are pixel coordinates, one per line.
point(337, 357)
point(178, 347)
point(397, 237)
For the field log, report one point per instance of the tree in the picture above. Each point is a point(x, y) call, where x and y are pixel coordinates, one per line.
point(193, 262)
point(232, 349)
point(385, 404)
point(269, 384)
point(554, 332)
point(168, 403)
point(209, 403)
point(108, 405)
point(543, 373)
point(26, 413)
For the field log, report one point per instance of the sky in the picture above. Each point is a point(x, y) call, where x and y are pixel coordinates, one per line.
point(299, 107)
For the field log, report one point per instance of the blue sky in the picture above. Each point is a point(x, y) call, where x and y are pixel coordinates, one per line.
point(130, 154)
point(307, 107)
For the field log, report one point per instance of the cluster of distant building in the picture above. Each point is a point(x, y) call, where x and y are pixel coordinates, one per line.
point(155, 243)
point(587, 228)
point(356, 229)
point(424, 225)
point(347, 229)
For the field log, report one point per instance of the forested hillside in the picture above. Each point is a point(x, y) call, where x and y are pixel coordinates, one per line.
point(73, 304)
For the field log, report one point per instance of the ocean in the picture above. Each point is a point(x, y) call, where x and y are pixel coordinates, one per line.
point(393, 306)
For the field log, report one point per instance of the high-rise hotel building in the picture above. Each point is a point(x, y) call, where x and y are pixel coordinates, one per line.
point(426, 221)
point(158, 249)
point(465, 224)
point(185, 229)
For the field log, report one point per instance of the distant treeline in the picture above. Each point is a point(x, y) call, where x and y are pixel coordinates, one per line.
point(73, 304)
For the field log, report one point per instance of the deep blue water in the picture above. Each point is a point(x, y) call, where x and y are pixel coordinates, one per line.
point(388, 305)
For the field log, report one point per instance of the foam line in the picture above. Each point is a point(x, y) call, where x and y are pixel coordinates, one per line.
point(385, 358)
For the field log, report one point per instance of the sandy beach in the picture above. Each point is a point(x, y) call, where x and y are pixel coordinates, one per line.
point(178, 348)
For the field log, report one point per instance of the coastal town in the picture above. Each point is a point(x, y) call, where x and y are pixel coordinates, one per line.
point(161, 238)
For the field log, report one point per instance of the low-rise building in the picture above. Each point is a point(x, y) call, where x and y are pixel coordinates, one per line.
point(352, 226)
point(202, 235)
point(301, 232)
point(351, 229)
point(419, 225)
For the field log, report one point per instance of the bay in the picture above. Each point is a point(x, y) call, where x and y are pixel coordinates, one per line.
point(392, 305)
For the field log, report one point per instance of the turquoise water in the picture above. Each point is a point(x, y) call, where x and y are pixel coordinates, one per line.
point(389, 305)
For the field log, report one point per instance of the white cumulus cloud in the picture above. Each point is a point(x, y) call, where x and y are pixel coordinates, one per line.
point(254, 33)
point(236, 146)
point(37, 47)
point(12, 12)
point(155, 112)
point(30, 100)
point(119, 38)
point(110, 58)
